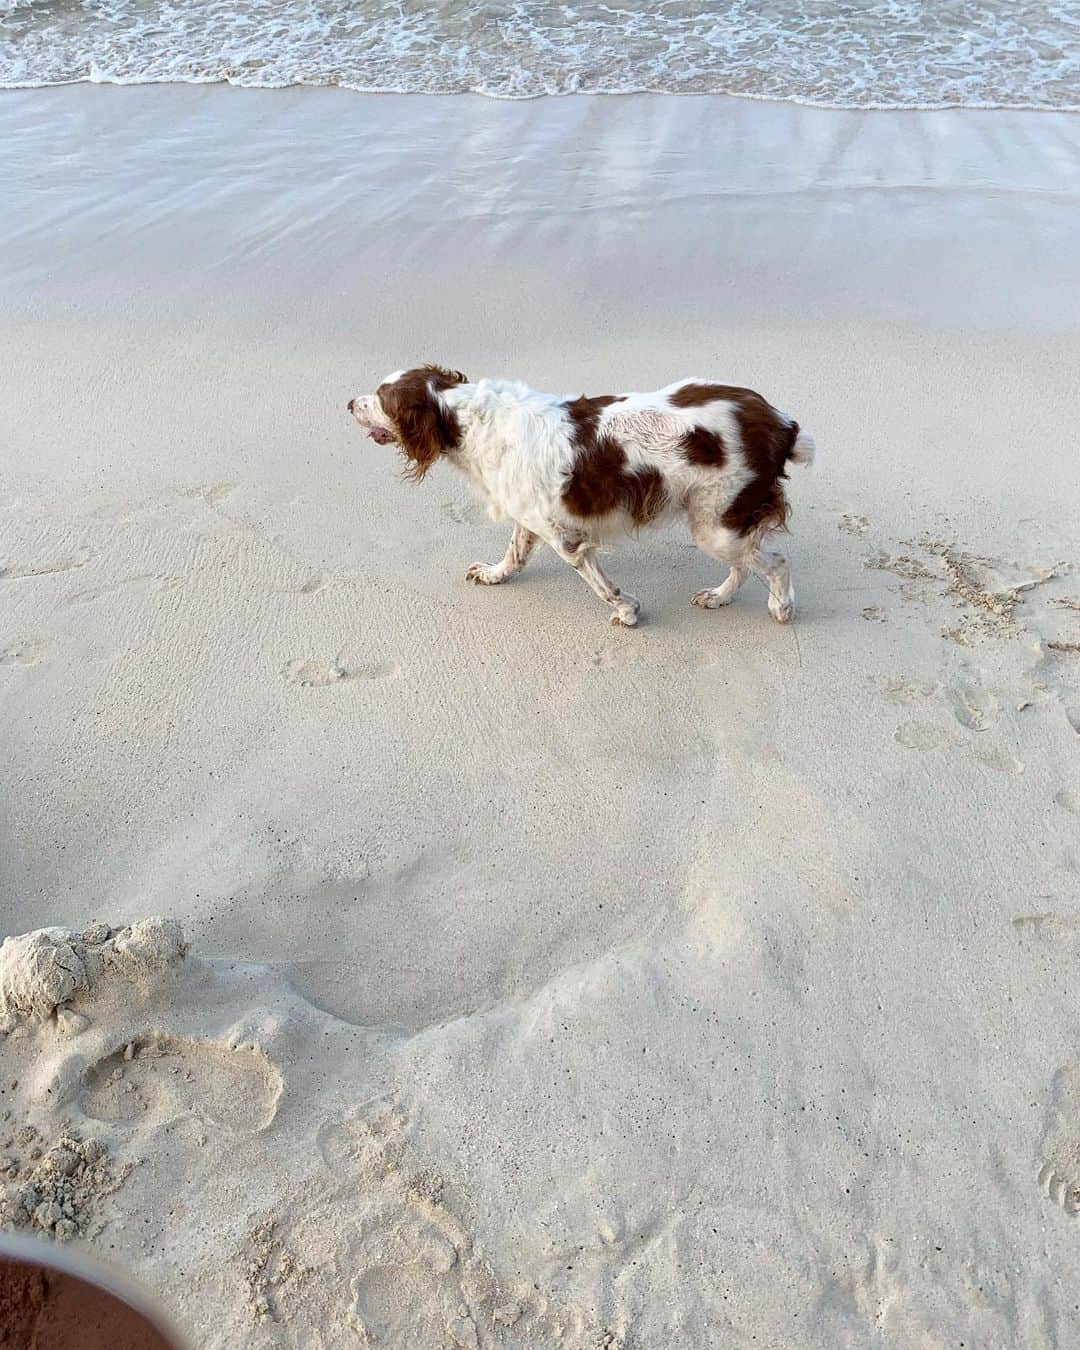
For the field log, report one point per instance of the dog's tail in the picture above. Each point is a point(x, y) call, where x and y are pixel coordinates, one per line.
point(802, 448)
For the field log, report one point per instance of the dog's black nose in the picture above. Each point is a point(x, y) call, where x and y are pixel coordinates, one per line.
point(348, 406)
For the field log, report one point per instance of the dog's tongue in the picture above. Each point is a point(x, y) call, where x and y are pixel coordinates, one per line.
point(379, 436)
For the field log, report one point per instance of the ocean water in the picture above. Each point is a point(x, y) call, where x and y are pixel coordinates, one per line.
point(838, 53)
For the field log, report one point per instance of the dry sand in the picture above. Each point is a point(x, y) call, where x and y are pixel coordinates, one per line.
point(706, 984)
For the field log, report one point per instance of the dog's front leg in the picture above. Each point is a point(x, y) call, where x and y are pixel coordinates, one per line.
point(579, 552)
point(522, 543)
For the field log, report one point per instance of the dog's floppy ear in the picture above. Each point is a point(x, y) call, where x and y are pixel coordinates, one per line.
point(425, 427)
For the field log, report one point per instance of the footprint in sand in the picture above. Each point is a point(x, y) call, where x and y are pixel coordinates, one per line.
point(1069, 800)
point(318, 581)
point(1059, 1175)
point(1056, 930)
point(901, 564)
point(616, 653)
point(926, 736)
point(318, 674)
point(160, 1077)
point(852, 524)
point(974, 708)
point(899, 690)
point(22, 654)
point(994, 757)
point(211, 493)
point(419, 1272)
point(874, 614)
point(418, 1279)
point(370, 1250)
point(923, 736)
point(463, 513)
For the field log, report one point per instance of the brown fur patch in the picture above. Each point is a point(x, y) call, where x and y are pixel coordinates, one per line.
point(694, 395)
point(585, 414)
point(704, 447)
point(599, 482)
point(761, 505)
point(425, 428)
point(767, 441)
point(645, 495)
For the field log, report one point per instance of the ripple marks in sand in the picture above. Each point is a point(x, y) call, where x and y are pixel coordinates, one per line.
point(160, 1077)
point(318, 674)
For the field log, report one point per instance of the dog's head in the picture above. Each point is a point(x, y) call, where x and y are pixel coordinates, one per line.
point(408, 410)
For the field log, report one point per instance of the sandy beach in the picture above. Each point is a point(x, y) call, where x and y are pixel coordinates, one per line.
point(530, 982)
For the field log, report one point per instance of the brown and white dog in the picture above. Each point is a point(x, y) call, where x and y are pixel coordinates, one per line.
point(576, 472)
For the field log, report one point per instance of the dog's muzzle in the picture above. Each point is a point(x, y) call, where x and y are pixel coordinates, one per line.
point(379, 435)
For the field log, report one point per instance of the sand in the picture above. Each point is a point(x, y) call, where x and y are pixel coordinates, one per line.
point(706, 984)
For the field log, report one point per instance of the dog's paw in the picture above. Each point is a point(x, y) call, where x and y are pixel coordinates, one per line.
point(626, 613)
point(712, 598)
point(485, 574)
point(782, 610)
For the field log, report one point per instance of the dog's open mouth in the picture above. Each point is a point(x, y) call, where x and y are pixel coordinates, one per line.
point(380, 436)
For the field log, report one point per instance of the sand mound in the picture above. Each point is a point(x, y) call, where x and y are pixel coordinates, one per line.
point(56, 1191)
point(47, 968)
point(38, 971)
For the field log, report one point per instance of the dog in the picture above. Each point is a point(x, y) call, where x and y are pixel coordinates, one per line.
point(575, 473)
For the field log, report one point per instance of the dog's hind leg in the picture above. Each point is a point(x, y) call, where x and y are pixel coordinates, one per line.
point(775, 571)
point(726, 546)
point(522, 543)
point(579, 553)
point(743, 554)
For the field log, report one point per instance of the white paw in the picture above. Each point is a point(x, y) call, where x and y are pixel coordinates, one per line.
point(782, 610)
point(485, 574)
point(627, 610)
point(712, 598)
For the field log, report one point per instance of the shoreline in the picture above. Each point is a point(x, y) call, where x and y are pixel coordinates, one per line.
point(717, 94)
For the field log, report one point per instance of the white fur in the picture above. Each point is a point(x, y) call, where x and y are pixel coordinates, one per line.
point(804, 449)
point(517, 450)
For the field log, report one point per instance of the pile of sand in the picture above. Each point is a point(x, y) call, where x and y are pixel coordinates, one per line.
point(55, 1191)
point(54, 1188)
point(44, 971)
